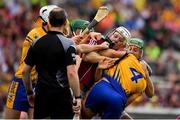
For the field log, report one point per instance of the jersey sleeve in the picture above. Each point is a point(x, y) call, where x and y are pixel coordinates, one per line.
point(71, 55)
point(29, 60)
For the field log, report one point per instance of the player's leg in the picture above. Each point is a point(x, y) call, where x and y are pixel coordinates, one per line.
point(27, 115)
point(11, 114)
point(86, 113)
point(30, 113)
point(94, 102)
point(104, 99)
point(114, 105)
point(16, 100)
point(23, 115)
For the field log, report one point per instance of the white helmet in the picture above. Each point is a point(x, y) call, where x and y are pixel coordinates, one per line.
point(124, 32)
point(44, 12)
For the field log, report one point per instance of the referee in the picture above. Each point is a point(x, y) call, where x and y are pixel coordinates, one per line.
point(54, 58)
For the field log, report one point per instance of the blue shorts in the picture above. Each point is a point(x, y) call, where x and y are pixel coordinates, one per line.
point(104, 99)
point(17, 96)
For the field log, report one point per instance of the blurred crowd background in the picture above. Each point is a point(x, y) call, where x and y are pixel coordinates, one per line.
point(157, 22)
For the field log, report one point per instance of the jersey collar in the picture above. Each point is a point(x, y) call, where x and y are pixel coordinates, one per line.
point(55, 32)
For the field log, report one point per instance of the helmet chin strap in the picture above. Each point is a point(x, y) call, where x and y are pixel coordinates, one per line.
point(107, 38)
point(44, 22)
point(142, 54)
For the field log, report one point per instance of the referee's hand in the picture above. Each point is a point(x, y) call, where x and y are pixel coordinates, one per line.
point(77, 106)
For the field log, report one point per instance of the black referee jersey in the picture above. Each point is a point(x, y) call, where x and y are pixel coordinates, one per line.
point(51, 54)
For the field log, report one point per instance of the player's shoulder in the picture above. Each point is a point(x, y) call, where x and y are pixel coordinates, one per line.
point(34, 30)
point(33, 34)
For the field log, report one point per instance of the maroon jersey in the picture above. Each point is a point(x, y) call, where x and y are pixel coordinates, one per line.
point(87, 71)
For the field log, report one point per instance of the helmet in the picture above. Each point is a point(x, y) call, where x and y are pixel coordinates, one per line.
point(44, 12)
point(124, 32)
point(137, 42)
point(78, 24)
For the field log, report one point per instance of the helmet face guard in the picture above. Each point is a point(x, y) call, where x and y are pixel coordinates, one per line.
point(122, 31)
point(107, 38)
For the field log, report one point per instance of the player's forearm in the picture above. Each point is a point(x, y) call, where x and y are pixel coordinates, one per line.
point(74, 81)
point(112, 53)
point(93, 57)
point(27, 81)
point(78, 62)
point(149, 88)
point(149, 91)
point(85, 48)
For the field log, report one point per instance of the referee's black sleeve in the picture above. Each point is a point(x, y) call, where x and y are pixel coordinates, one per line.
point(71, 55)
point(29, 60)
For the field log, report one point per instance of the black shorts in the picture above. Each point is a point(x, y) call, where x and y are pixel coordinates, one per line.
point(54, 104)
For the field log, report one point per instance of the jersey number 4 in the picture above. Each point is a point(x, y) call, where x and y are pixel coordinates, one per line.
point(136, 75)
